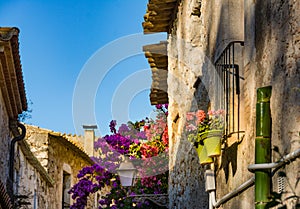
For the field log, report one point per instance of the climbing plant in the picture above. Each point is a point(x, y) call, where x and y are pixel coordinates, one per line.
point(146, 144)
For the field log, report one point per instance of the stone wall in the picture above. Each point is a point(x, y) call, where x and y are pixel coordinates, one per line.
point(270, 56)
point(29, 183)
point(58, 155)
point(4, 141)
point(186, 56)
point(277, 63)
point(39, 144)
point(63, 158)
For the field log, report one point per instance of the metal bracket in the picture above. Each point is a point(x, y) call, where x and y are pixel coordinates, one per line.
point(159, 199)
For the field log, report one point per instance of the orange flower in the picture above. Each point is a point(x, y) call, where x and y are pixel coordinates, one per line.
point(200, 114)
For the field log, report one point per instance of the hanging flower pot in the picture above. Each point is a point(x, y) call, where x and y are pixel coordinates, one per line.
point(202, 154)
point(206, 130)
point(212, 142)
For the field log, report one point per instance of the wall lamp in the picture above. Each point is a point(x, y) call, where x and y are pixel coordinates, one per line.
point(127, 173)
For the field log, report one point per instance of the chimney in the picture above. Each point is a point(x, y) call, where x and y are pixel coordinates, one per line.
point(89, 138)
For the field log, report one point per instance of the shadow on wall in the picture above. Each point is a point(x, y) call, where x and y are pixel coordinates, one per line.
point(276, 33)
point(189, 176)
point(187, 184)
point(229, 158)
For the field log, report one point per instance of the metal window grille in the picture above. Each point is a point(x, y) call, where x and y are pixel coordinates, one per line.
point(229, 88)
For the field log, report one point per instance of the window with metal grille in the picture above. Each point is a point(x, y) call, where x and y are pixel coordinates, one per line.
point(230, 74)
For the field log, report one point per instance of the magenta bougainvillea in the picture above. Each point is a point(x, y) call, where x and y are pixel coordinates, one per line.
point(146, 143)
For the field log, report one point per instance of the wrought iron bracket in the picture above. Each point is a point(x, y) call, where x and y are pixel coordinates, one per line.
point(158, 199)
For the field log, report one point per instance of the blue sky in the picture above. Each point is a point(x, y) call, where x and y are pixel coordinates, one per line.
point(58, 39)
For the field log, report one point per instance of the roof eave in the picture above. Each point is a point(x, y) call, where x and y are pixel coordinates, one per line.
point(158, 61)
point(160, 15)
point(11, 76)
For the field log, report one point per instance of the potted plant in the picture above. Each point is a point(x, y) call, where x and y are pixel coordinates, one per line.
point(205, 130)
point(201, 149)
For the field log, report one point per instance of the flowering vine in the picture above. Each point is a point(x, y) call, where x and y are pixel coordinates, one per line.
point(146, 142)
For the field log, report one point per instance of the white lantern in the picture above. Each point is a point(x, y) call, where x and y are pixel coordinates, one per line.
point(126, 172)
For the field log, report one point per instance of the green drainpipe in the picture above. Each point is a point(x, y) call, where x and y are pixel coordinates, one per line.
point(263, 147)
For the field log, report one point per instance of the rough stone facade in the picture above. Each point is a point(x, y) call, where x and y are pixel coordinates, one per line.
point(4, 142)
point(270, 55)
point(61, 158)
point(65, 159)
point(186, 185)
point(274, 59)
point(12, 103)
point(30, 186)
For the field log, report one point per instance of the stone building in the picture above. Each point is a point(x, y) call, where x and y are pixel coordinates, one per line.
point(36, 172)
point(49, 168)
point(218, 54)
point(37, 166)
point(12, 103)
point(31, 180)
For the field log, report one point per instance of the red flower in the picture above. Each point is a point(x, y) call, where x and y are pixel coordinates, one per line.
point(146, 127)
point(200, 114)
point(165, 136)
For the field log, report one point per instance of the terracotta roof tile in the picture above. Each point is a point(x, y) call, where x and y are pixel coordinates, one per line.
point(158, 61)
point(159, 15)
point(11, 78)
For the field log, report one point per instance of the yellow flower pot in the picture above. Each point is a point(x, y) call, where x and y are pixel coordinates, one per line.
point(212, 142)
point(202, 154)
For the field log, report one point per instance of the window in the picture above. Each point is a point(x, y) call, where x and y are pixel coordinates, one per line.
point(66, 188)
point(35, 200)
point(230, 74)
